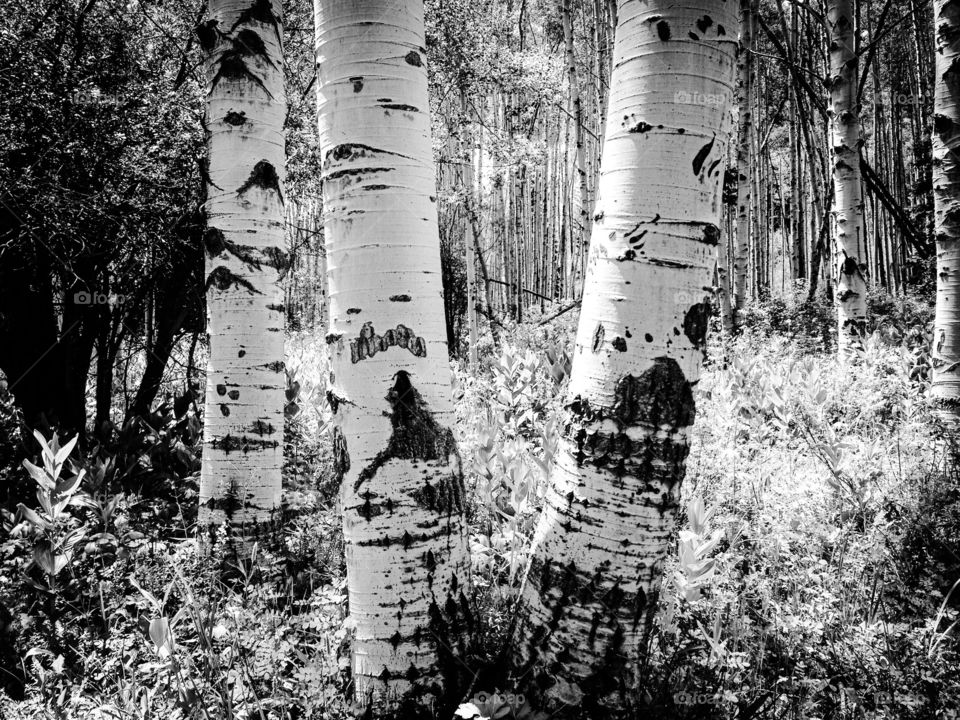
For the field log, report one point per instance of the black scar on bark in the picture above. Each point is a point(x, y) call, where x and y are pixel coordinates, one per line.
point(369, 343)
point(249, 43)
point(400, 298)
point(445, 498)
point(235, 118)
point(413, 58)
point(369, 510)
point(341, 458)
point(229, 443)
point(233, 66)
point(703, 23)
point(347, 150)
point(357, 83)
point(711, 234)
point(721, 30)
point(216, 244)
point(264, 176)
point(598, 337)
point(663, 30)
point(234, 394)
point(262, 428)
point(659, 397)
point(619, 344)
point(400, 106)
point(260, 11)
point(942, 124)
point(213, 241)
point(641, 127)
point(278, 259)
point(222, 279)
point(701, 156)
point(335, 401)
point(349, 172)
point(695, 323)
point(415, 434)
point(224, 410)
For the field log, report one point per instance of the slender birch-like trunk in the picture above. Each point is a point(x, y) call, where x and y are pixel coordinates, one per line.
point(845, 141)
point(581, 207)
point(595, 571)
point(946, 198)
point(408, 567)
point(244, 241)
point(745, 72)
point(723, 280)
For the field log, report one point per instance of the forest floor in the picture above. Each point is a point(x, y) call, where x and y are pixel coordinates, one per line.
point(817, 546)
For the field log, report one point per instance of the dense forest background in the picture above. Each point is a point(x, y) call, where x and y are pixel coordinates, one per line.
point(815, 557)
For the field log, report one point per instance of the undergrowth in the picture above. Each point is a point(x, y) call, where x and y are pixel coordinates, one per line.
point(811, 576)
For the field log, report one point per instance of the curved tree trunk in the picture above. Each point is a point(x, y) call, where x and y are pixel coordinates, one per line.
point(745, 72)
point(402, 487)
point(595, 571)
point(845, 141)
point(946, 197)
point(243, 419)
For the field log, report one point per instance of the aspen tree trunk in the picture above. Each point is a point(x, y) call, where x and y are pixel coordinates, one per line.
point(244, 241)
point(466, 178)
point(745, 72)
point(946, 197)
point(596, 562)
point(581, 207)
point(402, 486)
point(723, 284)
point(845, 141)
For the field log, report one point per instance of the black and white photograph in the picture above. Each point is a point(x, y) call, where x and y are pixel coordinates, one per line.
point(480, 360)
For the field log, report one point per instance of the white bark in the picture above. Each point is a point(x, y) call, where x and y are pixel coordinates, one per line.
point(845, 141)
point(243, 421)
point(581, 210)
point(402, 487)
point(609, 512)
point(745, 71)
point(946, 200)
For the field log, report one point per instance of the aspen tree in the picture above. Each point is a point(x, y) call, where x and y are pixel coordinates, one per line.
point(244, 241)
point(745, 72)
point(845, 141)
point(946, 197)
point(408, 568)
point(609, 512)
